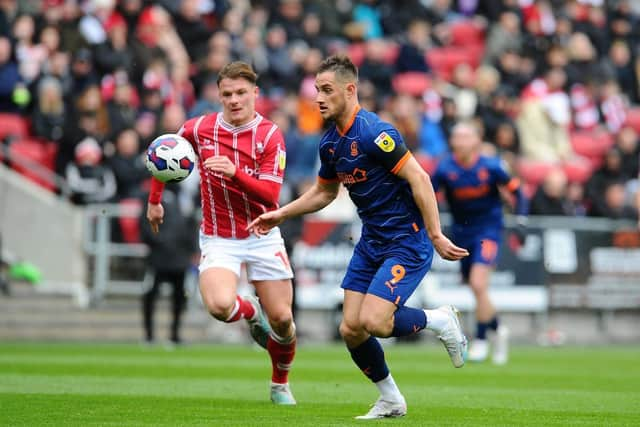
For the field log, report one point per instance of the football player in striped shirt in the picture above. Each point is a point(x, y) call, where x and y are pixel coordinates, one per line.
point(241, 159)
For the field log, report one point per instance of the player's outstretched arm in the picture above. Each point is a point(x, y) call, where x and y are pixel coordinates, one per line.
point(314, 199)
point(425, 198)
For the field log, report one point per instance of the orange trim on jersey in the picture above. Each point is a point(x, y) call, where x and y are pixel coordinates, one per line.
point(397, 300)
point(349, 123)
point(513, 184)
point(401, 163)
point(415, 227)
point(325, 181)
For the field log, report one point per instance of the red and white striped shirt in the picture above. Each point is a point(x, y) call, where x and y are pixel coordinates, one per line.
point(258, 151)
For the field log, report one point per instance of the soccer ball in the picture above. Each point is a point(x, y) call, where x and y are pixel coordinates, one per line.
point(170, 158)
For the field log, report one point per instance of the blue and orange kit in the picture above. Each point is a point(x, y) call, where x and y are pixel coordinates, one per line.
point(472, 192)
point(366, 157)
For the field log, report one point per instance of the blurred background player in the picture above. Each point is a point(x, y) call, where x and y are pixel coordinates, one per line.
point(474, 185)
point(242, 160)
point(170, 255)
point(395, 202)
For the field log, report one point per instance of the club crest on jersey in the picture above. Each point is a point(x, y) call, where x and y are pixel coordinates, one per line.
point(385, 142)
point(282, 159)
point(259, 147)
point(483, 174)
point(354, 149)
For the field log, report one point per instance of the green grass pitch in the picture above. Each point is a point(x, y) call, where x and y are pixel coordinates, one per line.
point(129, 385)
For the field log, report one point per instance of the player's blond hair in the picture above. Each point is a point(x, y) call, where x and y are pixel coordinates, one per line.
point(342, 66)
point(238, 70)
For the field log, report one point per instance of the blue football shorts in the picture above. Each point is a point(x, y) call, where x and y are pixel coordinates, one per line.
point(391, 270)
point(483, 245)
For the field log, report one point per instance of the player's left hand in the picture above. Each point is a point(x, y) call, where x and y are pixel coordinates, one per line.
point(447, 249)
point(220, 164)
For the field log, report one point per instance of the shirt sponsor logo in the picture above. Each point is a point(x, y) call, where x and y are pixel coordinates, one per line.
point(358, 175)
point(385, 142)
point(249, 171)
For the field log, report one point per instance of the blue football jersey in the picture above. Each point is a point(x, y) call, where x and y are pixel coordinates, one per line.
point(472, 193)
point(365, 158)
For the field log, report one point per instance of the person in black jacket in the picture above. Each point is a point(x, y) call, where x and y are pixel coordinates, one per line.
point(170, 254)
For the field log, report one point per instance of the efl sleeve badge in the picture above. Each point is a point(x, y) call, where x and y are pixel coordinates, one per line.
point(385, 142)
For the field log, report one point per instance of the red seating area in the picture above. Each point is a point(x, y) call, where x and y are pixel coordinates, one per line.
point(36, 151)
point(444, 60)
point(14, 130)
point(411, 83)
point(591, 145)
point(466, 32)
point(13, 125)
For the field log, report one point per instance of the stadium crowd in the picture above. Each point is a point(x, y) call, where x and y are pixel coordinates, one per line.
point(85, 85)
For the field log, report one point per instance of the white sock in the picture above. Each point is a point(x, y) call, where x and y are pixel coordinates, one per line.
point(389, 390)
point(436, 320)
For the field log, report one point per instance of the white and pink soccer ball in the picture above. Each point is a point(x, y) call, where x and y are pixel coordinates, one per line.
point(170, 158)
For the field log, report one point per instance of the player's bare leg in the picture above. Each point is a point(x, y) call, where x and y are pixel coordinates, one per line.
point(276, 298)
point(486, 318)
point(368, 355)
point(218, 287)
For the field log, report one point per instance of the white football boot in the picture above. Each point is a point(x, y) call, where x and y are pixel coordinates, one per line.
point(500, 354)
point(385, 409)
point(452, 337)
point(281, 394)
point(258, 326)
point(478, 350)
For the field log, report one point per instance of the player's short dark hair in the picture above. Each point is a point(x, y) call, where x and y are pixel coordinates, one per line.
point(342, 66)
point(238, 70)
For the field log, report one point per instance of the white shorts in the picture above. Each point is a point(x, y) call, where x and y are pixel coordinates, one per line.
point(265, 257)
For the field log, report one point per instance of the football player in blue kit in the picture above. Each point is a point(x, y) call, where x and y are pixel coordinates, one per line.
point(401, 227)
point(475, 186)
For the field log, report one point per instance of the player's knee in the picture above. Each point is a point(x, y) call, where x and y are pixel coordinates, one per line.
point(349, 331)
point(219, 306)
point(376, 325)
point(281, 320)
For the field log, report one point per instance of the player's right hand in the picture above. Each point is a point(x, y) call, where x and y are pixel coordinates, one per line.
point(265, 222)
point(155, 215)
point(447, 249)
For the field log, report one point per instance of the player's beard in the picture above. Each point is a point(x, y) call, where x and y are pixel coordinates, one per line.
point(337, 112)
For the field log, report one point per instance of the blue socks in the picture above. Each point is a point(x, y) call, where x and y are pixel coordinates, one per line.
point(483, 327)
point(369, 357)
point(408, 321)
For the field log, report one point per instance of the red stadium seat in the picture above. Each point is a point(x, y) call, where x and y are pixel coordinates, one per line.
point(13, 125)
point(357, 52)
point(591, 144)
point(411, 83)
point(35, 151)
point(391, 54)
point(466, 33)
point(578, 170)
point(445, 59)
point(533, 172)
point(130, 225)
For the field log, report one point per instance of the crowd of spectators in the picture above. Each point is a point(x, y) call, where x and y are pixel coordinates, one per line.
point(552, 84)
